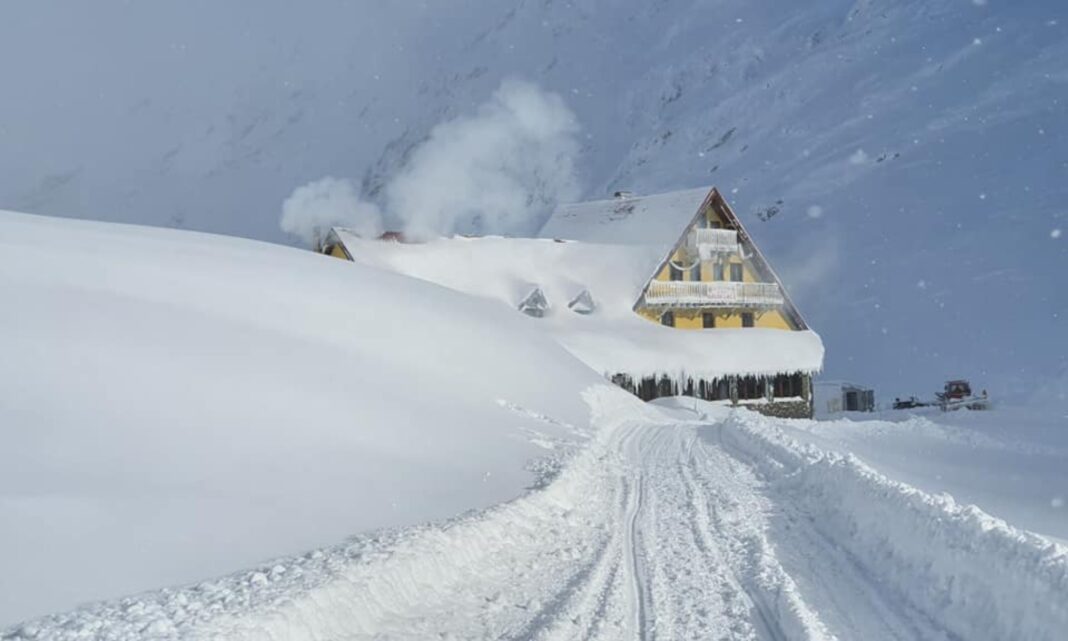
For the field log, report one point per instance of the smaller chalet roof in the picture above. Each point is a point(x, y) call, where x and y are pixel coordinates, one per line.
point(629, 220)
point(612, 338)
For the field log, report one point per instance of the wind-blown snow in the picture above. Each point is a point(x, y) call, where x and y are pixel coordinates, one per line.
point(500, 170)
point(313, 209)
point(179, 405)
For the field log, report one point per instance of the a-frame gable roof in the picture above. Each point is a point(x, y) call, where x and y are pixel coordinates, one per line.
point(713, 199)
point(628, 220)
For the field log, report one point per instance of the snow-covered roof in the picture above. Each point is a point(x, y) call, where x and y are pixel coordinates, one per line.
point(613, 338)
point(633, 220)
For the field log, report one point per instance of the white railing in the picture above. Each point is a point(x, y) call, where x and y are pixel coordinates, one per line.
point(713, 294)
point(714, 241)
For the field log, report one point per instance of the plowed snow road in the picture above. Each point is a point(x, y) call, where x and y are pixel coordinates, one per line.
point(659, 527)
point(669, 534)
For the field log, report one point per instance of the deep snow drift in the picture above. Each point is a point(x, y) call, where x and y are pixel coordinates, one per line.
point(611, 338)
point(180, 405)
point(1010, 461)
point(682, 520)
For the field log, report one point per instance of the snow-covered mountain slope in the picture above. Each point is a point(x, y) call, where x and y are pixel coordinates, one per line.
point(908, 155)
point(179, 405)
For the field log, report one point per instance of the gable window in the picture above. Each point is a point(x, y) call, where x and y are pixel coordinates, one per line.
point(736, 272)
point(717, 271)
point(715, 224)
point(695, 272)
point(708, 320)
point(674, 273)
point(667, 319)
point(747, 319)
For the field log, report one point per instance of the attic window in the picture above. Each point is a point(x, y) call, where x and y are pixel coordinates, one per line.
point(535, 304)
point(582, 303)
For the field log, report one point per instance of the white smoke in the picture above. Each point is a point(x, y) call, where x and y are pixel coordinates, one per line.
point(313, 209)
point(500, 170)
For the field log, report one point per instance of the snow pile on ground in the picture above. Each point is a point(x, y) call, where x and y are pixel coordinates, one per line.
point(612, 338)
point(975, 574)
point(1010, 461)
point(414, 583)
point(179, 405)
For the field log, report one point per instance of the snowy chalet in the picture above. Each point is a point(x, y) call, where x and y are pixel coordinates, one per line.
point(664, 295)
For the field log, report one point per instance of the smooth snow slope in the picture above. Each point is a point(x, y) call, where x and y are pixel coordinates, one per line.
point(177, 405)
point(917, 145)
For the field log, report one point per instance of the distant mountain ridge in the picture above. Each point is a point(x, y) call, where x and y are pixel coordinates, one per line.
point(902, 163)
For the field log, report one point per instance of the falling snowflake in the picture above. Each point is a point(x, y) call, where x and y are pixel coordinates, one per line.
point(859, 157)
point(1055, 234)
point(815, 211)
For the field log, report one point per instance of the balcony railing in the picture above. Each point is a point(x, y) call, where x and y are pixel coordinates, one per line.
point(713, 294)
point(714, 241)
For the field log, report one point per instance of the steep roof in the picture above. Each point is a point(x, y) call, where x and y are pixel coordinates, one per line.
point(612, 339)
point(629, 220)
point(660, 220)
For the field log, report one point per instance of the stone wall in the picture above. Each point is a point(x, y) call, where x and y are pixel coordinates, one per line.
point(783, 409)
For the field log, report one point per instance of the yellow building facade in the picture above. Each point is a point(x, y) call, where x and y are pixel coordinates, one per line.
point(715, 277)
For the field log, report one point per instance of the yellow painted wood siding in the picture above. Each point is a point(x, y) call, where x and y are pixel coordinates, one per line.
point(688, 318)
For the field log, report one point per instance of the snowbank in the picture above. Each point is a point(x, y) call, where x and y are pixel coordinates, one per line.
point(1009, 461)
point(179, 405)
point(975, 574)
point(357, 589)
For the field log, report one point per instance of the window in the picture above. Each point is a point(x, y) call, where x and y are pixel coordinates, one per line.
point(667, 319)
point(736, 272)
point(708, 320)
point(747, 319)
point(674, 273)
point(695, 272)
point(715, 224)
point(751, 388)
point(717, 271)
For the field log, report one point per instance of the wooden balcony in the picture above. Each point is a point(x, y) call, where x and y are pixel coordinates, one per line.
point(709, 242)
point(718, 294)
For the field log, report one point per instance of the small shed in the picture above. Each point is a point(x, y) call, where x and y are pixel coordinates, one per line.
point(834, 397)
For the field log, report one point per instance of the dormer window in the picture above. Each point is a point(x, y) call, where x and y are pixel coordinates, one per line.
point(583, 303)
point(535, 304)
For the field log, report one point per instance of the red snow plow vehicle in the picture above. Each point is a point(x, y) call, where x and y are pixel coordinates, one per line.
point(958, 394)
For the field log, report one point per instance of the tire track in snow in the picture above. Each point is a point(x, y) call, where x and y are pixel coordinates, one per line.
point(655, 531)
